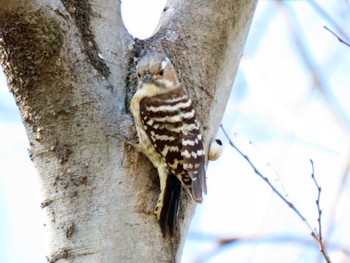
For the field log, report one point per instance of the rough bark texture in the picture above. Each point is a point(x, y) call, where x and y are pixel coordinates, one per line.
point(70, 66)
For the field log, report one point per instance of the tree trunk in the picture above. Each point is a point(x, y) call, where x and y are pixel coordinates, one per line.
point(71, 67)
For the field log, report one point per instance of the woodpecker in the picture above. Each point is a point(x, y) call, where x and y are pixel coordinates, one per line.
point(169, 135)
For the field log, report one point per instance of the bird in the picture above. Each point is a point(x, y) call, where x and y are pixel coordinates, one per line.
point(169, 136)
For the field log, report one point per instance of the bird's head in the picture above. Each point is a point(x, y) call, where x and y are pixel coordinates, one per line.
point(156, 70)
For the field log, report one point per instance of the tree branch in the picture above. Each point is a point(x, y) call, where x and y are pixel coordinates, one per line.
point(338, 37)
point(318, 235)
point(319, 82)
point(257, 172)
point(313, 232)
point(332, 21)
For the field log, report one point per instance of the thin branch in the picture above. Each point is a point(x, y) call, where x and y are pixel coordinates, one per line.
point(313, 232)
point(319, 81)
point(332, 21)
point(339, 38)
point(256, 171)
point(315, 235)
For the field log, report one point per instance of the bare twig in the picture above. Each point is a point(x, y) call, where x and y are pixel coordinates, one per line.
point(315, 235)
point(339, 38)
point(256, 171)
point(319, 81)
point(313, 232)
point(328, 17)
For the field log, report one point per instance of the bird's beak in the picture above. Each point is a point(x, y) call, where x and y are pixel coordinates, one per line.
point(147, 78)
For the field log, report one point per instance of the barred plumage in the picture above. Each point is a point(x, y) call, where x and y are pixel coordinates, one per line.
point(169, 135)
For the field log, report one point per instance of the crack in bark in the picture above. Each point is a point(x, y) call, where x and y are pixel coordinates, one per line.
point(81, 11)
point(131, 79)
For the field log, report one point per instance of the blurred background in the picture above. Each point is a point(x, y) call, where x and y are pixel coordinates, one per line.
point(290, 103)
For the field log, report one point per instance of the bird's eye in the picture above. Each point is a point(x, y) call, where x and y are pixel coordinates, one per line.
point(139, 75)
point(161, 72)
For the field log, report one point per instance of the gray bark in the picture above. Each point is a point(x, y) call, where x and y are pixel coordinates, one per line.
point(71, 67)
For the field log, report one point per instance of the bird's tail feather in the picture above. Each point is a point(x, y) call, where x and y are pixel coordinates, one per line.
point(171, 200)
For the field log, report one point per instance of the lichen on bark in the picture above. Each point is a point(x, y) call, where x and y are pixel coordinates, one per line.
point(29, 44)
